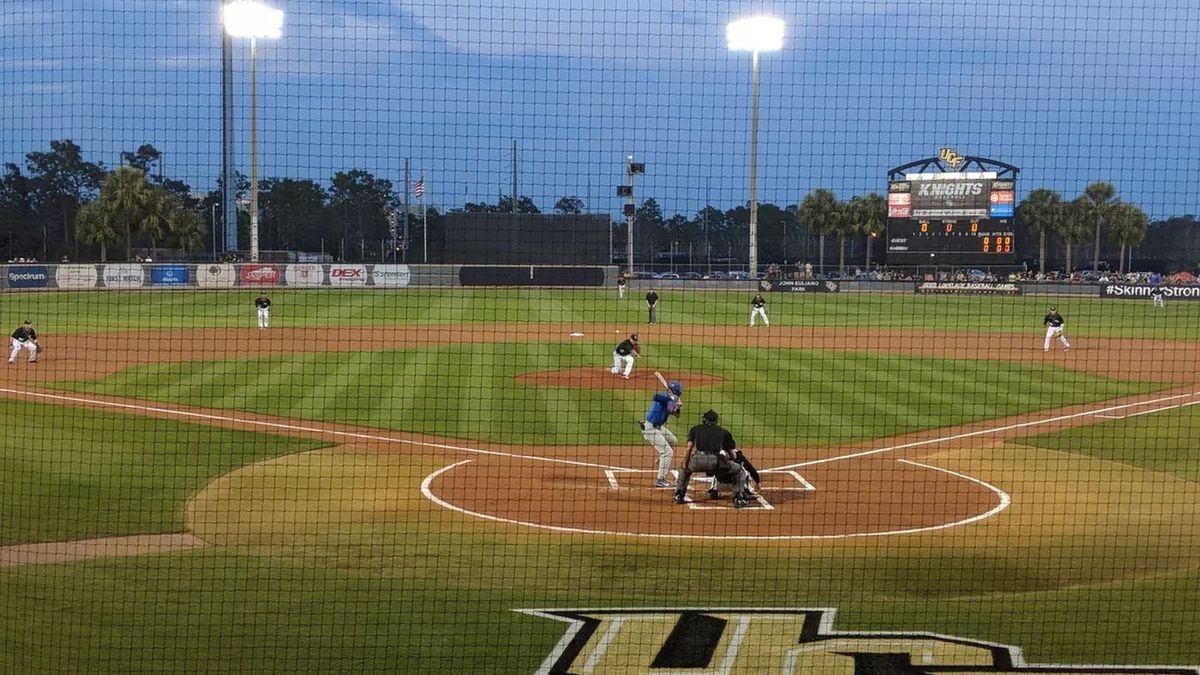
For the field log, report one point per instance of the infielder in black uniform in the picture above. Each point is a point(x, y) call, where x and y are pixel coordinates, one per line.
point(758, 307)
point(651, 304)
point(24, 337)
point(263, 303)
point(1054, 323)
point(711, 449)
point(621, 285)
point(1157, 294)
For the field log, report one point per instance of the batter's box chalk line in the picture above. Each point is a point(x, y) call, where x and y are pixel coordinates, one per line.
point(792, 480)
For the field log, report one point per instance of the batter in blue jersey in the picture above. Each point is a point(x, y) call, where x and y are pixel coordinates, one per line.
point(655, 431)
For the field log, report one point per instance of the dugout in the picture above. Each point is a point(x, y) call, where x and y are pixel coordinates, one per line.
point(526, 239)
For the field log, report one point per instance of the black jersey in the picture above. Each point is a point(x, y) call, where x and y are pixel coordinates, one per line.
point(758, 302)
point(1054, 320)
point(620, 281)
point(652, 298)
point(711, 439)
point(1157, 291)
point(24, 334)
point(262, 302)
point(625, 348)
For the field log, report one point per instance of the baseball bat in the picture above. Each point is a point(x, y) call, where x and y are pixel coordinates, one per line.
point(665, 385)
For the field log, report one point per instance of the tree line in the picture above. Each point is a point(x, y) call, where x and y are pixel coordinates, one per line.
point(60, 204)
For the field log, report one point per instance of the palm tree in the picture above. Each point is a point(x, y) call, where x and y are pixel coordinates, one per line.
point(1127, 224)
point(1100, 195)
point(187, 229)
point(1042, 210)
point(868, 214)
point(124, 194)
point(821, 212)
point(94, 225)
point(1075, 223)
point(158, 215)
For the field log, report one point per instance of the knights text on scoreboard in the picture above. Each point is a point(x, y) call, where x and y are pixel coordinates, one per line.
point(951, 219)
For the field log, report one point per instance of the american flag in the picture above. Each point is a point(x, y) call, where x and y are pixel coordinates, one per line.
point(419, 188)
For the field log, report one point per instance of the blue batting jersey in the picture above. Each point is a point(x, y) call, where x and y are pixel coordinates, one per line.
point(660, 409)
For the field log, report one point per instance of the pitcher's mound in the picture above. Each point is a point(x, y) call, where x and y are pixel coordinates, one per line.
point(601, 378)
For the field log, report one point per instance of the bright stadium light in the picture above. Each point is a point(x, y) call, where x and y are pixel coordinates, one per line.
point(754, 34)
point(247, 19)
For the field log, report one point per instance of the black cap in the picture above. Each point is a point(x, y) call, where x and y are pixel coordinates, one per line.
point(709, 416)
point(633, 336)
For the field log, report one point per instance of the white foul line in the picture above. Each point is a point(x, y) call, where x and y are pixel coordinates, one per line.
point(311, 430)
point(983, 432)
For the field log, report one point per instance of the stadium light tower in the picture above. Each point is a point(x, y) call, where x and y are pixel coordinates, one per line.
point(754, 34)
point(254, 20)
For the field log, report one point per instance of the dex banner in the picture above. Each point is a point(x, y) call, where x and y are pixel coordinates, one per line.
point(348, 275)
point(123, 275)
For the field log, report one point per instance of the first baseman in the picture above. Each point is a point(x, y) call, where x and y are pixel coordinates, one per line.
point(263, 303)
point(758, 307)
point(623, 356)
point(1054, 329)
point(24, 337)
point(655, 431)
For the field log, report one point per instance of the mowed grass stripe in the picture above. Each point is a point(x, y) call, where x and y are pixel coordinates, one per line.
point(1162, 441)
point(71, 312)
point(71, 473)
point(777, 396)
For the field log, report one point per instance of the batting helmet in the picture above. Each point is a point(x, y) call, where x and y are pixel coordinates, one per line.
point(710, 416)
point(675, 387)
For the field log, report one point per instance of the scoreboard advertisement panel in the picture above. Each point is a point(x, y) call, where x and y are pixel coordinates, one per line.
point(951, 219)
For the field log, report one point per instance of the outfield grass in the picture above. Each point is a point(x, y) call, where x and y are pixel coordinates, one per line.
point(1163, 441)
point(69, 473)
point(70, 312)
point(770, 396)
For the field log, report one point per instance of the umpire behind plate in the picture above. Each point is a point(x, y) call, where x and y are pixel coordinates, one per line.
point(711, 449)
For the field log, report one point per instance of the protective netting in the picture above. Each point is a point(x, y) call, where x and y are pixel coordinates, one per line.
point(328, 351)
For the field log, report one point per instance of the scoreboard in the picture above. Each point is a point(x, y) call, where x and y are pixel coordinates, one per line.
point(951, 219)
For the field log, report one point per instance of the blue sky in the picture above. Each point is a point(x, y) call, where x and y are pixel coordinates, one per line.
point(1071, 91)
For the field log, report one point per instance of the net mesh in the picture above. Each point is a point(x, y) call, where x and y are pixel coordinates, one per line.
point(328, 351)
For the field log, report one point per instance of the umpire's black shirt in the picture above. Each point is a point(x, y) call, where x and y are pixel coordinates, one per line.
point(652, 298)
point(711, 439)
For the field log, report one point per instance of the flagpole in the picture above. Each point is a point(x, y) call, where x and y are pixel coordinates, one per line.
point(407, 210)
point(424, 219)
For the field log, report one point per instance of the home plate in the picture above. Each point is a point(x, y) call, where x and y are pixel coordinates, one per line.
point(576, 334)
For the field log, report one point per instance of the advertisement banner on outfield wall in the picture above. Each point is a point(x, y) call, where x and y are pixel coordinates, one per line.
point(391, 276)
point(348, 275)
point(966, 288)
point(123, 275)
point(799, 286)
point(75, 277)
point(1135, 292)
point(304, 274)
point(169, 275)
point(28, 276)
point(215, 275)
point(260, 275)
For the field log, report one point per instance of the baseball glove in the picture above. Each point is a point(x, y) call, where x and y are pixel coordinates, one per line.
point(39, 349)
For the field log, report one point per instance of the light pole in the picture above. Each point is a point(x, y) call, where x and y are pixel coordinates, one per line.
point(249, 19)
point(754, 34)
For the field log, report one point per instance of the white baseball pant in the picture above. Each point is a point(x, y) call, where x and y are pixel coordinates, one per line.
point(1055, 332)
point(17, 346)
point(664, 442)
point(264, 317)
point(622, 365)
point(759, 311)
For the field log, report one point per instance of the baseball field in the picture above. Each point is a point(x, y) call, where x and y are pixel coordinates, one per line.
point(451, 480)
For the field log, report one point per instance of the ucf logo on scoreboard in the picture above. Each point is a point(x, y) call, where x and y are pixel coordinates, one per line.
point(951, 157)
point(774, 641)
